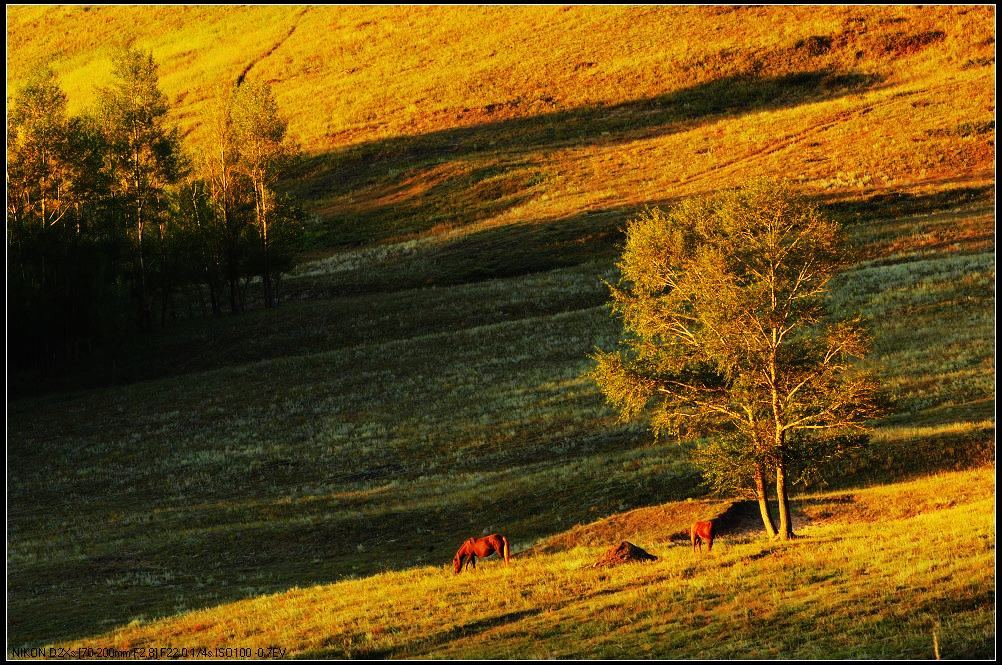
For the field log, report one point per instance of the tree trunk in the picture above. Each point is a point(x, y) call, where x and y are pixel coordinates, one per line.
point(232, 240)
point(145, 311)
point(214, 297)
point(269, 298)
point(233, 273)
point(763, 503)
point(785, 523)
point(234, 300)
point(201, 301)
point(165, 285)
point(145, 307)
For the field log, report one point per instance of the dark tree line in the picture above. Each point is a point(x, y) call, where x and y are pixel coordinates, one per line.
point(113, 228)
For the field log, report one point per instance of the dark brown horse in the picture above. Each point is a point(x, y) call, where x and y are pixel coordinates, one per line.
point(480, 547)
point(702, 531)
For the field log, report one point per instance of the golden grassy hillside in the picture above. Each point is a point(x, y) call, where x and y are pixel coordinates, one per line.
point(902, 571)
point(427, 118)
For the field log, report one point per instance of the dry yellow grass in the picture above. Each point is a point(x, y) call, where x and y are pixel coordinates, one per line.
point(875, 573)
point(626, 88)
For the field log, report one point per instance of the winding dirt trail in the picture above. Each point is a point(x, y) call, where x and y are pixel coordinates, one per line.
point(275, 47)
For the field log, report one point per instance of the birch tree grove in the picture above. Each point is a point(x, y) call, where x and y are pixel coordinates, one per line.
point(109, 220)
point(220, 164)
point(47, 156)
point(727, 335)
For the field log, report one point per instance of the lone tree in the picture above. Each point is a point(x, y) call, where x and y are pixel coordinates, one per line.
point(728, 333)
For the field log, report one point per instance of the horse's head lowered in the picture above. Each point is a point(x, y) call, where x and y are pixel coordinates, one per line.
point(461, 555)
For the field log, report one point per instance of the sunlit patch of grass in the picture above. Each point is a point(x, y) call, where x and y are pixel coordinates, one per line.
point(514, 114)
point(844, 589)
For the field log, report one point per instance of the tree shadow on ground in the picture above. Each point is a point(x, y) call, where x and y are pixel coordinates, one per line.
point(500, 252)
point(593, 235)
point(390, 164)
point(894, 205)
point(591, 239)
point(738, 519)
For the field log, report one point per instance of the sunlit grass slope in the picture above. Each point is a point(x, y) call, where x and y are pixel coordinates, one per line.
point(469, 172)
point(422, 120)
point(891, 572)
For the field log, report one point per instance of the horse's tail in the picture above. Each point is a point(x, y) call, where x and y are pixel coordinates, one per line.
point(504, 541)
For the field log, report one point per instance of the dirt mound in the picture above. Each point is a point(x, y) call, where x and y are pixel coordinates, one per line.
point(625, 552)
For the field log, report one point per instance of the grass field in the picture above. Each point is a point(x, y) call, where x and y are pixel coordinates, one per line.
point(352, 438)
point(901, 571)
point(469, 174)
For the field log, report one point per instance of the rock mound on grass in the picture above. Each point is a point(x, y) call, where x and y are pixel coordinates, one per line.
point(625, 552)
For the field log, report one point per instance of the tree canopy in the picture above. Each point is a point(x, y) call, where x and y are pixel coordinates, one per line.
point(727, 334)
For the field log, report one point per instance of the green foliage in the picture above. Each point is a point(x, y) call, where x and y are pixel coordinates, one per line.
point(257, 133)
point(62, 242)
point(723, 301)
point(38, 139)
point(727, 464)
point(144, 158)
point(144, 149)
point(53, 159)
point(258, 130)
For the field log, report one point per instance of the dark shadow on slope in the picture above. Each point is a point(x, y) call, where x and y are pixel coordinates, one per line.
point(425, 644)
point(390, 162)
point(740, 518)
point(500, 252)
point(336, 310)
point(414, 199)
point(377, 304)
point(444, 637)
point(902, 204)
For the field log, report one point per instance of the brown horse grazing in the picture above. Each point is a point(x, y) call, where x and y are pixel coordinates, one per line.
point(702, 531)
point(480, 547)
